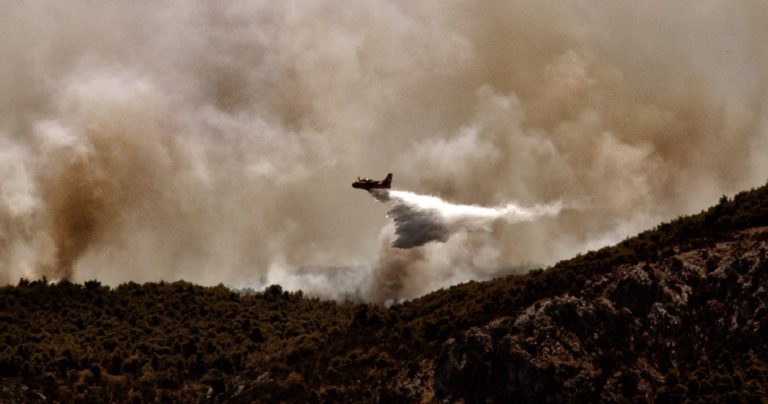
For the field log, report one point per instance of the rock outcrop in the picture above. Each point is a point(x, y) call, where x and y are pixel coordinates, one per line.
point(640, 331)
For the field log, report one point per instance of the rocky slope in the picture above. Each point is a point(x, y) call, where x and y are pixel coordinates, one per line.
point(690, 326)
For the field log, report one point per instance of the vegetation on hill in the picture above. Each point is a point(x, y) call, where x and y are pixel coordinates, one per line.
point(182, 342)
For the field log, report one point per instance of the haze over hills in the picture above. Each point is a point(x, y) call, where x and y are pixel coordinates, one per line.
point(178, 140)
point(675, 313)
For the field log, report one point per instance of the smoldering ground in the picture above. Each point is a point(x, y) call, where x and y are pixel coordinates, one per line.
point(216, 143)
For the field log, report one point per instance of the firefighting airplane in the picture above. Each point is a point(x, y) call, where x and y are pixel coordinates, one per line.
point(368, 184)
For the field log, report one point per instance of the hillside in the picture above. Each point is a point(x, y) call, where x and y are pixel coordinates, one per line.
point(677, 312)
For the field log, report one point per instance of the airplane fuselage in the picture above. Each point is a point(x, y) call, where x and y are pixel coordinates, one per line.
point(368, 184)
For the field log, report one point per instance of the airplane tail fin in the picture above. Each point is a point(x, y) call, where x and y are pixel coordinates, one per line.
point(388, 181)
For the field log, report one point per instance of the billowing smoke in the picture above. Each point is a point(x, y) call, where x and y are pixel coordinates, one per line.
point(420, 219)
point(217, 142)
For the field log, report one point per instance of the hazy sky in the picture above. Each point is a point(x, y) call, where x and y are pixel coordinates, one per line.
point(216, 142)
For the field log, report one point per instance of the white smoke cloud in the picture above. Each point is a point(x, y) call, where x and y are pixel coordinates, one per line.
point(182, 140)
point(431, 243)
